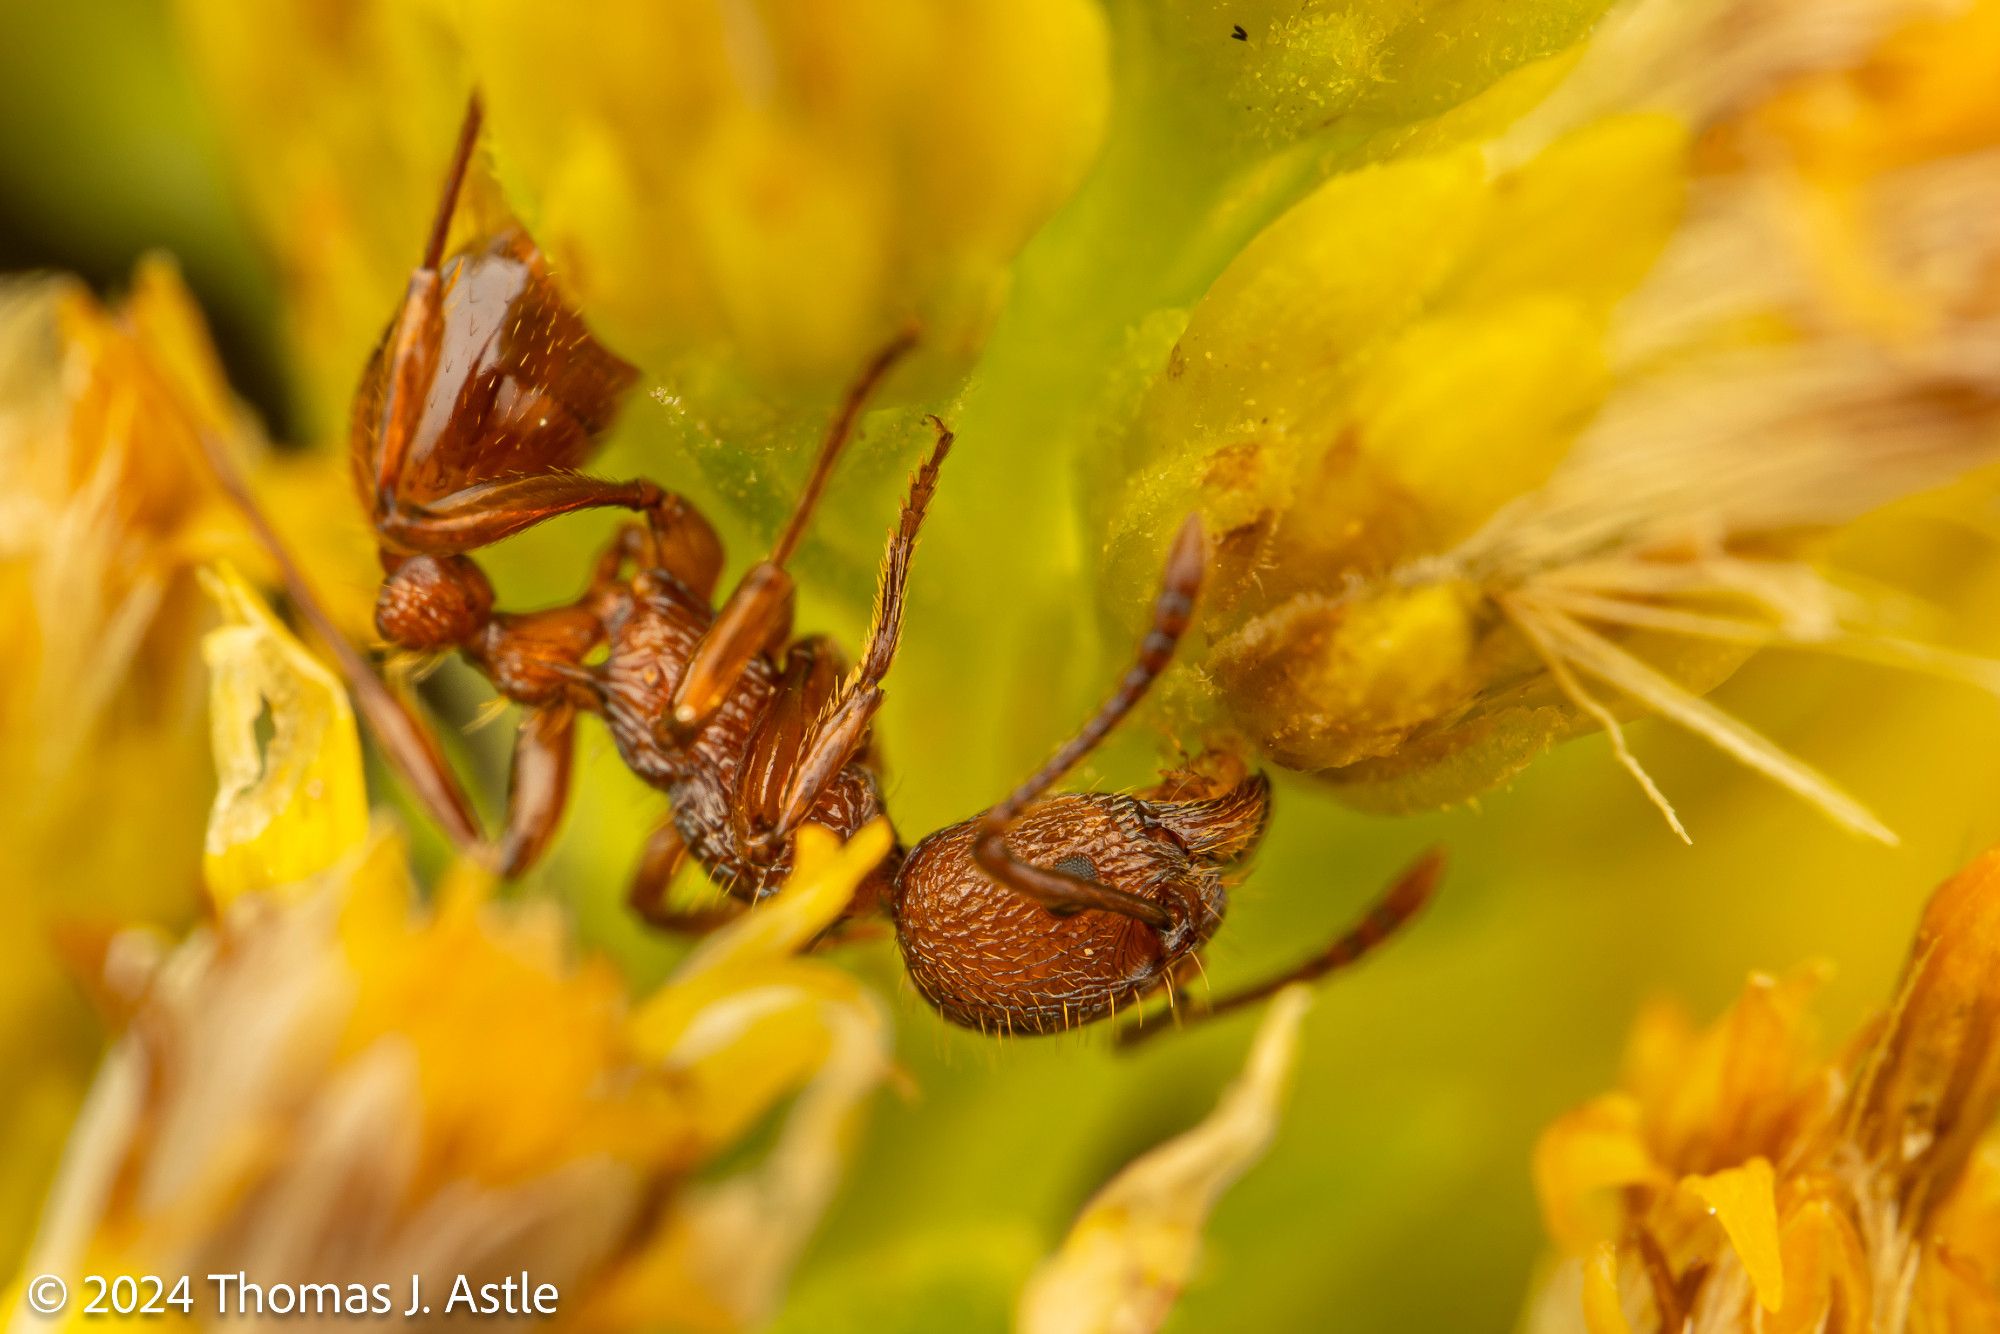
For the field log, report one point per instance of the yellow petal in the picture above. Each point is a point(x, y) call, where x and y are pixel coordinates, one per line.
point(722, 1259)
point(1744, 1200)
point(1581, 1159)
point(739, 1026)
point(1736, 1091)
point(294, 804)
point(825, 874)
point(1827, 1267)
point(1135, 1243)
point(1603, 1311)
point(742, 1021)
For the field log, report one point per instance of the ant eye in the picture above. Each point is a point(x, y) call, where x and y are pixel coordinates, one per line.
point(1079, 866)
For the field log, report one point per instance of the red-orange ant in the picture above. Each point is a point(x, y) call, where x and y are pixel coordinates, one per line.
point(473, 417)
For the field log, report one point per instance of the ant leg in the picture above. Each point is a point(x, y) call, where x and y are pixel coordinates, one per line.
point(689, 551)
point(410, 744)
point(840, 730)
point(537, 786)
point(758, 614)
point(413, 343)
point(811, 678)
point(1058, 891)
point(664, 852)
point(484, 513)
point(685, 545)
point(633, 545)
point(541, 763)
point(1404, 900)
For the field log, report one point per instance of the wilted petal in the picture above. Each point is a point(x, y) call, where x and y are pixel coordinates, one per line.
point(1929, 1086)
point(1134, 1245)
point(294, 804)
point(106, 513)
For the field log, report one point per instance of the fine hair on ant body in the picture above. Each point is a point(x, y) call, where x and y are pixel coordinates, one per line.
point(473, 419)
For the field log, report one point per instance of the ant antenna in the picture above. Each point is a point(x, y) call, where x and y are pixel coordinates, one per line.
point(461, 162)
point(1403, 901)
point(837, 436)
point(1173, 610)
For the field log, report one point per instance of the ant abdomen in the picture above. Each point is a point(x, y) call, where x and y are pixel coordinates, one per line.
point(989, 957)
point(519, 386)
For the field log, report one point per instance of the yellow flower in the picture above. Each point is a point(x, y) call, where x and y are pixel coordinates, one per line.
point(790, 180)
point(109, 508)
point(1740, 1181)
point(332, 1083)
point(106, 511)
point(1517, 431)
point(339, 186)
point(103, 512)
point(780, 187)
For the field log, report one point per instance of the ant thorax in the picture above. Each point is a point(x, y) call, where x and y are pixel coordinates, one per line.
point(654, 625)
point(718, 776)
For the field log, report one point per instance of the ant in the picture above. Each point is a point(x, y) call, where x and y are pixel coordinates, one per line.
point(473, 420)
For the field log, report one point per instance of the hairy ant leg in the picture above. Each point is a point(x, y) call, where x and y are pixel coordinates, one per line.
point(680, 549)
point(537, 785)
point(1405, 898)
point(682, 542)
point(486, 512)
point(807, 684)
point(659, 862)
point(839, 732)
point(758, 614)
point(1061, 891)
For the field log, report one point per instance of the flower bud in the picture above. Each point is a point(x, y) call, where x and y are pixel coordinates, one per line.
point(1506, 442)
point(791, 182)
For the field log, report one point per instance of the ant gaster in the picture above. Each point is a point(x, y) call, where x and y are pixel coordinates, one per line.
point(473, 419)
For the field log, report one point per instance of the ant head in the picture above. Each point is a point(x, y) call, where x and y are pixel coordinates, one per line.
point(432, 603)
point(990, 957)
point(1048, 912)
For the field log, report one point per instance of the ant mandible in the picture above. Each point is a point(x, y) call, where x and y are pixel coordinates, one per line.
point(473, 419)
